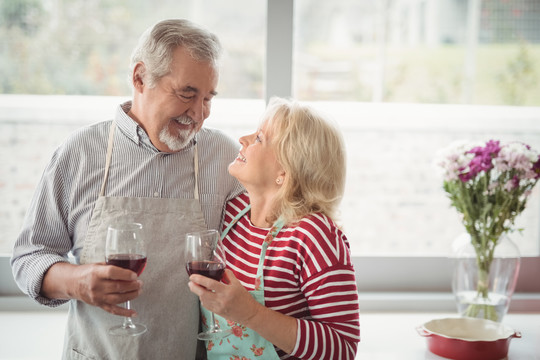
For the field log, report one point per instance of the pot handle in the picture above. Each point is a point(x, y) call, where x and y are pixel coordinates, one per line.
point(423, 332)
point(516, 334)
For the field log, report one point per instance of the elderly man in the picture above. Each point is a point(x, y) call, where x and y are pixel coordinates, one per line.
point(154, 164)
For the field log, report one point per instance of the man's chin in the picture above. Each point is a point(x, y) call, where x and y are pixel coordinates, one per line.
point(176, 143)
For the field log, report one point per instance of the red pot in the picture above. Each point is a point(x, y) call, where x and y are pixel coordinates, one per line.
point(468, 338)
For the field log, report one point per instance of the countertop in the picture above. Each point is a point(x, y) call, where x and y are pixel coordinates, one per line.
point(385, 335)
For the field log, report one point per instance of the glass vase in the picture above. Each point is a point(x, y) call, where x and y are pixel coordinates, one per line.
point(485, 291)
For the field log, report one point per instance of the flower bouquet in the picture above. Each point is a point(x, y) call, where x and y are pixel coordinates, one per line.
point(489, 185)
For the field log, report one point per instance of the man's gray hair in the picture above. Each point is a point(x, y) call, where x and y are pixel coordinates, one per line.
point(157, 44)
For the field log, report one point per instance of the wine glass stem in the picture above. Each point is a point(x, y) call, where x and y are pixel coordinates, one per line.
point(213, 327)
point(127, 320)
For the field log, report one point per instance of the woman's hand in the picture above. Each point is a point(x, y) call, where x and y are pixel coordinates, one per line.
point(228, 299)
point(231, 300)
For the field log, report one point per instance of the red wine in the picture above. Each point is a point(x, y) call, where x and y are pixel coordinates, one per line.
point(132, 262)
point(211, 269)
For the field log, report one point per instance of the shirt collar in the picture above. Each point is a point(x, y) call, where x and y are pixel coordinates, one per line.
point(134, 131)
point(126, 124)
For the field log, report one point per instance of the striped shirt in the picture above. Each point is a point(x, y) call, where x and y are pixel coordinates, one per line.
point(307, 274)
point(59, 213)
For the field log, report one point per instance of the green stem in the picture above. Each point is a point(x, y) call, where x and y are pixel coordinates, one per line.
point(483, 279)
point(482, 292)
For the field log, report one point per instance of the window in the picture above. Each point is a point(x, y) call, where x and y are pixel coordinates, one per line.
point(405, 79)
point(401, 78)
point(53, 48)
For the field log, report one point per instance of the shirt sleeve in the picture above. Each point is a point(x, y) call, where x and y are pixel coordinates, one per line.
point(332, 331)
point(44, 239)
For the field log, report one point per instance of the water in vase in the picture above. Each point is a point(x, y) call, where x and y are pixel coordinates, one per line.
point(494, 307)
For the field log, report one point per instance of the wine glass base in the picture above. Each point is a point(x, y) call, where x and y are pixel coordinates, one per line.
point(214, 334)
point(131, 330)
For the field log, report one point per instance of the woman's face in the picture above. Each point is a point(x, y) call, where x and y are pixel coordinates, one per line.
point(256, 166)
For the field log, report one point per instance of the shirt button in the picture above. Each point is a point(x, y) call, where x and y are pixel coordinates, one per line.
point(156, 194)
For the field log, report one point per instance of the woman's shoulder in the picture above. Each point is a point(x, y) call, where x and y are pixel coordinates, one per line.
point(319, 235)
point(318, 224)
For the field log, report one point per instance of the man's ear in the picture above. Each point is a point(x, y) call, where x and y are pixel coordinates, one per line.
point(138, 76)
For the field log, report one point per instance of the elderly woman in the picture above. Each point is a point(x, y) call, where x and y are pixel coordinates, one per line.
point(283, 247)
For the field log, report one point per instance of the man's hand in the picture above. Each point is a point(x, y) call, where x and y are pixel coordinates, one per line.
point(99, 284)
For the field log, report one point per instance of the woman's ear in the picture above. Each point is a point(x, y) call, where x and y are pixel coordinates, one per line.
point(280, 178)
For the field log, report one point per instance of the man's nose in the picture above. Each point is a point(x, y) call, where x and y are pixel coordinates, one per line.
point(196, 110)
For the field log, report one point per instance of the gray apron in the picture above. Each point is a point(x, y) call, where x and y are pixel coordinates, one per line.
point(166, 307)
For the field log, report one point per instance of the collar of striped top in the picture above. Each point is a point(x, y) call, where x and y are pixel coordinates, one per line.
point(274, 230)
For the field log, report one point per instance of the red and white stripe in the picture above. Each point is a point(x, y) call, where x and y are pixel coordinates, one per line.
point(308, 275)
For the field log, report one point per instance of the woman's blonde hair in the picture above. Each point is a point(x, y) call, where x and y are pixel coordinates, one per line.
point(312, 153)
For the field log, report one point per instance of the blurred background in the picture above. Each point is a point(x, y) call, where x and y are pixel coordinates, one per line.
point(402, 78)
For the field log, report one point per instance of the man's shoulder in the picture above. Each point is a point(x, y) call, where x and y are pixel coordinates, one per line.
point(85, 139)
point(89, 133)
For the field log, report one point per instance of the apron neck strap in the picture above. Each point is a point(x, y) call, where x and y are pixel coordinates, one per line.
point(109, 156)
point(274, 230)
point(196, 167)
point(234, 221)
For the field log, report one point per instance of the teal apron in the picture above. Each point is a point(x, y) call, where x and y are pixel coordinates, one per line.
point(244, 342)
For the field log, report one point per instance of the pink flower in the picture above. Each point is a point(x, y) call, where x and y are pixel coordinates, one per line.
point(489, 185)
point(268, 239)
point(237, 331)
point(257, 351)
point(482, 161)
point(512, 184)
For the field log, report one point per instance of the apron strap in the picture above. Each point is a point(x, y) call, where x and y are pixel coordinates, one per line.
point(109, 156)
point(240, 214)
point(196, 167)
point(274, 230)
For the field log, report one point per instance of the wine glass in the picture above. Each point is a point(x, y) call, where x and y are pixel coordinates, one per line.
point(205, 255)
point(125, 248)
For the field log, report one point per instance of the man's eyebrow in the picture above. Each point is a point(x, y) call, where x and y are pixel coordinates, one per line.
point(195, 90)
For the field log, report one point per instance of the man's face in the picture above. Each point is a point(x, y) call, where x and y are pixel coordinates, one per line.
point(175, 108)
